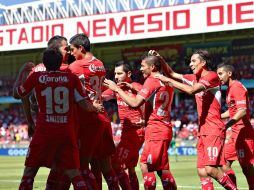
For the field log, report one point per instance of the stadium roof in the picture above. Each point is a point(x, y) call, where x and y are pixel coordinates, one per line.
point(14, 2)
point(23, 11)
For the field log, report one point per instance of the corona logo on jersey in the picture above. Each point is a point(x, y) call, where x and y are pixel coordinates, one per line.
point(44, 79)
point(93, 68)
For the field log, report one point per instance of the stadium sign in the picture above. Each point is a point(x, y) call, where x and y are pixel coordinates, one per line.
point(13, 151)
point(148, 23)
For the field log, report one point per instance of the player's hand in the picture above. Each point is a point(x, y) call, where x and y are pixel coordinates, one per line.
point(162, 78)
point(125, 84)
point(140, 123)
point(154, 53)
point(111, 85)
point(99, 106)
point(31, 129)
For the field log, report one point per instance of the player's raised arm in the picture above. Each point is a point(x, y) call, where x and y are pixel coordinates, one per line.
point(165, 67)
point(191, 90)
point(225, 115)
point(22, 76)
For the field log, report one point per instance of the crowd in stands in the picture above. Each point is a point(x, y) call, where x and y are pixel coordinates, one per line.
point(6, 84)
point(13, 128)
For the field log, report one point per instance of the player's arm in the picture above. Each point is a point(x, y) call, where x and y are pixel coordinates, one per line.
point(131, 101)
point(129, 85)
point(28, 115)
point(165, 67)
point(22, 76)
point(225, 115)
point(108, 95)
point(82, 99)
point(237, 117)
point(191, 90)
point(86, 105)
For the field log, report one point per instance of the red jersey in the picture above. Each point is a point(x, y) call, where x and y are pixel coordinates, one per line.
point(92, 74)
point(128, 116)
point(237, 98)
point(160, 97)
point(56, 93)
point(208, 103)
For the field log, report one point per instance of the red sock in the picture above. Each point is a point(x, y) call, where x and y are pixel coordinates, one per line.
point(149, 181)
point(78, 183)
point(123, 179)
point(226, 182)
point(250, 180)
point(98, 176)
point(52, 180)
point(26, 183)
point(89, 179)
point(231, 175)
point(168, 181)
point(112, 180)
point(206, 183)
point(134, 181)
point(64, 183)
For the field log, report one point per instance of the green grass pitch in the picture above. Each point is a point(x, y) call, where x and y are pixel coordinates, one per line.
point(184, 171)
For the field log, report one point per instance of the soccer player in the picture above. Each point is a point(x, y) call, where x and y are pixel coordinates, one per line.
point(56, 179)
point(158, 133)
point(54, 136)
point(241, 142)
point(205, 85)
point(132, 121)
point(96, 138)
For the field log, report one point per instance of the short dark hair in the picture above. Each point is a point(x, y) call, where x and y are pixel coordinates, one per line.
point(205, 55)
point(80, 40)
point(152, 60)
point(126, 66)
point(55, 41)
point(52, 59)
point(228, 68)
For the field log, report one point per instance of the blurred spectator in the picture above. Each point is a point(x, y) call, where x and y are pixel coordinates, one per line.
point(13, 127)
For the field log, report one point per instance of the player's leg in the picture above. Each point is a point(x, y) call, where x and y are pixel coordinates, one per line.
point(126, 156)
point(245, 154)
point(248, 171)
point(105, 149)
point(229, 171)
point(28, 178)
point(133, 178)
point(167, 179)
point(89, 135)
point(76, 179)
point(213, 158)
point(57, 180)
point(230, 156)
point(151, 161)
point(121, 175)
point(68, 149)
point(205, 181)
point(95, 168)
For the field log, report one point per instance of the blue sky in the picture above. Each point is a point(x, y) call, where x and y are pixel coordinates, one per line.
point(14, 2)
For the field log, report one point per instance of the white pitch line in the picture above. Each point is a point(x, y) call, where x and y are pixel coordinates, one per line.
point(179, 186)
